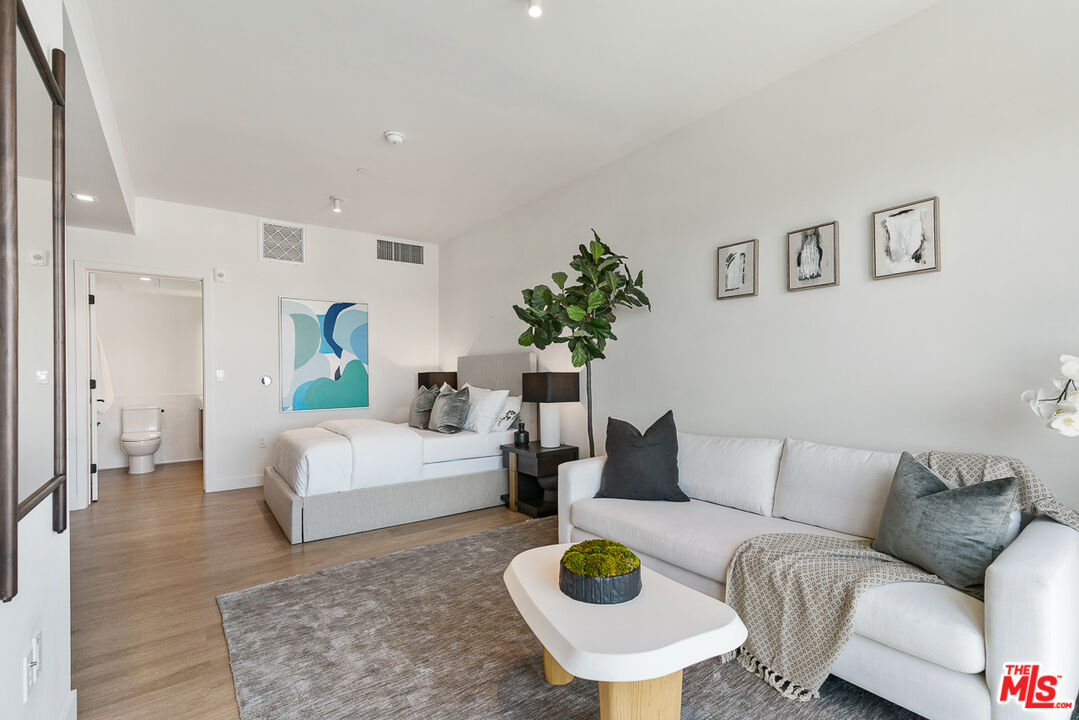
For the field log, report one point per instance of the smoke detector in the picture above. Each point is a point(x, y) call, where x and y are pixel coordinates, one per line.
point(393, 137)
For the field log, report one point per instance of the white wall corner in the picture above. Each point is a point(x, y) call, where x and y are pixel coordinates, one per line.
point(84, 42)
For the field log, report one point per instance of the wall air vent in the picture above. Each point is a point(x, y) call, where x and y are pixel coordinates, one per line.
point(400, 252)
point(281, 242)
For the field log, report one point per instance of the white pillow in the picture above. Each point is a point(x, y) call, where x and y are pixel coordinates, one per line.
point(736, 472)
point(483, 408)
point(834, 487)
point(508, 416)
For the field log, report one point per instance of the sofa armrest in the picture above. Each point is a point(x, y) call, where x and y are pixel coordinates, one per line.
point(577, 480)
point(1030, 613)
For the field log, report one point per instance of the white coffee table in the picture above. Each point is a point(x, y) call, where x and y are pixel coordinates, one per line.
point(636, 650)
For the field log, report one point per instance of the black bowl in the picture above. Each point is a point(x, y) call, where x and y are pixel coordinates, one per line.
point(600, 590)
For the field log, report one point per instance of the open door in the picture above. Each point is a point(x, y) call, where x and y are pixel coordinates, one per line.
point(101, 392)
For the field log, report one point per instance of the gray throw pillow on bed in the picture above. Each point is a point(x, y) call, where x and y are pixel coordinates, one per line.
point(449, 412)
point(954, 533)
point(419, 413)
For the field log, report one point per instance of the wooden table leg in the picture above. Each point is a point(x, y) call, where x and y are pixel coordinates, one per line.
point(512, 499)
point(554, 673)
point(659, 699)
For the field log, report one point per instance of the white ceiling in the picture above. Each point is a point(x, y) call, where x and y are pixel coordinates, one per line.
point(154, 285)
point(269, 107)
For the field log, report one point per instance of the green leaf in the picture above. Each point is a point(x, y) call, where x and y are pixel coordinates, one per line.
point(575, 313)
point(580, 355)
point(521, 313)
point(527, 295)
point(640, 279)
point(597, 250)
point(601, 327)
point(596, 299)
point(560, 279)
point(526, 338)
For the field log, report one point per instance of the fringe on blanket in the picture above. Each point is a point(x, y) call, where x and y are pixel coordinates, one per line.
point(784, 687)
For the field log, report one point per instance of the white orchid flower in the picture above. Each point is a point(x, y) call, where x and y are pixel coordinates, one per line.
point(1043, 401)
point(1069, 367)
point(1066, 420)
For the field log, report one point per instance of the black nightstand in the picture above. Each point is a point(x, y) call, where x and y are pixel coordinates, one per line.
point(534, 477)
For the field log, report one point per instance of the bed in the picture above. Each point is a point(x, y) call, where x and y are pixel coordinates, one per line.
point(351, 475)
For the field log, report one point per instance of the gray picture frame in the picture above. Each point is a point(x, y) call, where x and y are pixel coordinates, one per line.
point(883, 265)
point(749, 268)
point(826, 271)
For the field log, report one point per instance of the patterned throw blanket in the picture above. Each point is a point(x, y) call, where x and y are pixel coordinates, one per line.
point(798, 594)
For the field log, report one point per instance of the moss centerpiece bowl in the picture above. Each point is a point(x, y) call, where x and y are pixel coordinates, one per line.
point(600, 572)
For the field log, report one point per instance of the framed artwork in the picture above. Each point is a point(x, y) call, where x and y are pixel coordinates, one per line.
point(736, 270)
point(813, 257)
point(906, 239)
point(324, 361)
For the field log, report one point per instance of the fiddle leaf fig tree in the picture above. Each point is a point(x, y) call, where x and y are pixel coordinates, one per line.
point(582, 315)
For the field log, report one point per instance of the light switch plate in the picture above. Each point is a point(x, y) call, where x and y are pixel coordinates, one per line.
point(220, 375)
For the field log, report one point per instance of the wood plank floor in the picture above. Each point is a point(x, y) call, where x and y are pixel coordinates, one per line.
point(147, 562)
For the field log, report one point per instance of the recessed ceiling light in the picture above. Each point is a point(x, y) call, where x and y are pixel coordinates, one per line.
point(146, 279)
point(336, 203)
point(534, 8)
point(393, 137)
point(84, 197)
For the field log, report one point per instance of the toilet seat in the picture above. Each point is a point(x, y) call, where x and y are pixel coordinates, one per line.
point(140, 436)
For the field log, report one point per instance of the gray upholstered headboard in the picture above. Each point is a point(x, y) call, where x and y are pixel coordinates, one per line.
point(500, 372)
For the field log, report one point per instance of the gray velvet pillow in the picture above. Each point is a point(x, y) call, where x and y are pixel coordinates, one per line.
point(419, 413)
point(642, 467)
point(449, 412)
point(954, 533)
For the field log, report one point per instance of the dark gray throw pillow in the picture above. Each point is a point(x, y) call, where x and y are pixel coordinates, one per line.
point(954, 533)
point(419, 413)
point(642, 467)
point(449, 411)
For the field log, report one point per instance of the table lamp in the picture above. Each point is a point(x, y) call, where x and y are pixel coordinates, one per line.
point(548, 389)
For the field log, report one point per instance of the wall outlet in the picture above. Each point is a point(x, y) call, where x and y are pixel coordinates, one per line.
point(220, 375)
point(262, 441)
point(31, 668)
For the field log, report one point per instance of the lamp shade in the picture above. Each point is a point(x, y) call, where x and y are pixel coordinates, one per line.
point(551, 387)
point(427, 379)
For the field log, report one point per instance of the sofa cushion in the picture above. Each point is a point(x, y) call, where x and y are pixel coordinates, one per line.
point(736, 472)
point(953, 532)
point(642, 466)
point(838, 488)
point(698, 536)
point(933, 622)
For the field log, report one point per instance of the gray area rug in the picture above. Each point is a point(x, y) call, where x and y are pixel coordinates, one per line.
point(432, 633)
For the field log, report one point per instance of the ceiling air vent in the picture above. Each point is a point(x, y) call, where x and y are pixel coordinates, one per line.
point(400, 252)
point(281, 242)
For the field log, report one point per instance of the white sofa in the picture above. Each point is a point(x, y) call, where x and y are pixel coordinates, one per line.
point(928, 648)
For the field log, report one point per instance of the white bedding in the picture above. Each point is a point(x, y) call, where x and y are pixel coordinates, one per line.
point(341, 455)
point(440, 447)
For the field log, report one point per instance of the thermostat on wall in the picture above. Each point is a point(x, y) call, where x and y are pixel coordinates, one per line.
point(221, 275)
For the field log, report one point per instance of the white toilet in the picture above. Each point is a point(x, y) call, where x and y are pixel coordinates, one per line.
point(140, 436)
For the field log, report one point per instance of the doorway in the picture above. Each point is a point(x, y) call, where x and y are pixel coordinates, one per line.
point(146, 395)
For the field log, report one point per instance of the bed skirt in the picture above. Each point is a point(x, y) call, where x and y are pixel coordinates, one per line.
point(323, 516)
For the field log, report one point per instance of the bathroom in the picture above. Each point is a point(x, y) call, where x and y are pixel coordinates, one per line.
point(146, 361)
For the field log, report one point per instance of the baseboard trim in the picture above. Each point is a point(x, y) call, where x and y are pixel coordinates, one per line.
point(71, 707)
point(235, 483)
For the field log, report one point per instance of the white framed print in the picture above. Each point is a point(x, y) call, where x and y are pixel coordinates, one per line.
point(813, 257)
point(906, 239)
point(736, 270)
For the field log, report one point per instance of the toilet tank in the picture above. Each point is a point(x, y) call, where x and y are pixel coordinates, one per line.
point(140, 418)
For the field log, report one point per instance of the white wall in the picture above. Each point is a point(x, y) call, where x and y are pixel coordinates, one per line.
point(43, 601)
point(153, 344)
point(242, 332)
point(973, 101)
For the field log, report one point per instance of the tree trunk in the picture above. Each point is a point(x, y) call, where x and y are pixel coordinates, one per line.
point(588, 386)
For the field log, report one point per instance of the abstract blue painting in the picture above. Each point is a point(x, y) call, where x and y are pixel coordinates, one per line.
point(324, 361)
